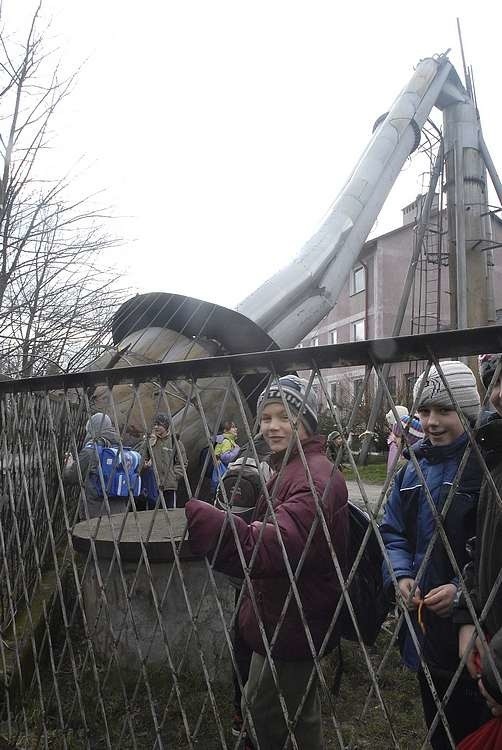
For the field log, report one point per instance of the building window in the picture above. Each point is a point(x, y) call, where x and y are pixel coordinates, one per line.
point(357, 385)
point(315, 341)
point(333, 336)
point(358, 330)
point(391, 385)
point(358, 280)
point(409, 382)
point(332, 394)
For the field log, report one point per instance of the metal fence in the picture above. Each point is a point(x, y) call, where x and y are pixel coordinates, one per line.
point(118, 632)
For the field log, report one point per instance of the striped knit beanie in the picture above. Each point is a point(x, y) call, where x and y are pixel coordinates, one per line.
point(402, 411)
point(461, 382)
point(414, 427)
point(296, 392)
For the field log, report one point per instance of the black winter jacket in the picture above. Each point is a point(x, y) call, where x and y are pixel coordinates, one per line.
point(481, 574)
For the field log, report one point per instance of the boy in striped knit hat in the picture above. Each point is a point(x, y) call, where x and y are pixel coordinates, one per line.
point(427, 579)
point(297, 627)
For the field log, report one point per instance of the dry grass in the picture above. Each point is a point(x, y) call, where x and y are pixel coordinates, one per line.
point(370, 730)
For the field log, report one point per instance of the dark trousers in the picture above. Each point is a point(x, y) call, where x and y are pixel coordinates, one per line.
point(169, 499)
point(466, 709)
point(266, 710)
point(242, 655)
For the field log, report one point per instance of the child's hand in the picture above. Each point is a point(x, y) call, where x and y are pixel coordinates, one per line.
point(495, 708)
point(440, 599)
point(473, 661)
point(405, 587)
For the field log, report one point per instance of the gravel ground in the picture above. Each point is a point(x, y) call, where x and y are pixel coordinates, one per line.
point(372, 492)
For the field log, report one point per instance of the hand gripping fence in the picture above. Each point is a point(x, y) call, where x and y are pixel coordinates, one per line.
point(116, 632)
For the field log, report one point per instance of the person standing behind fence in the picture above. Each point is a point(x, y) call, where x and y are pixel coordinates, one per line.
point(99, 432)
point(319, 589)
point(395, 437)
point(482, 572)
point(162, 465)
point(407, 529)
point(226, 450)
point(333, 445)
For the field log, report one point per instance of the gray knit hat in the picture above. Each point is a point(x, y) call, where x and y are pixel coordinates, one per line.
point(402, 411)
point(461, 382)
point(96, 424)
point(293, 390)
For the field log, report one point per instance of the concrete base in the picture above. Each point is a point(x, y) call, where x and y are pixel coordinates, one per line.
point(140, 630)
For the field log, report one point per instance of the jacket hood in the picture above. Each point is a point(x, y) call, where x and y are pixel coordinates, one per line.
point(108, 435)
point(437, 453)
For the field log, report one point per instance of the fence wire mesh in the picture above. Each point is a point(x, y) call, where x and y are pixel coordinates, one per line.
point(126, 625)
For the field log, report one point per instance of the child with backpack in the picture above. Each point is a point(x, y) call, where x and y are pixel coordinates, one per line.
point(298, 497)
point(408, 527)
point(226, 450)
point(101, 468)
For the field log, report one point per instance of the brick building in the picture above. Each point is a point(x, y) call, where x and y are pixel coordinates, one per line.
point(366, 307)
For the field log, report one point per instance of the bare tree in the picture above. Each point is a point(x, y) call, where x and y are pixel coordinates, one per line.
point(56, 292)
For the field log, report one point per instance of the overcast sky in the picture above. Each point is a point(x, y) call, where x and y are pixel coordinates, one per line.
point(223, 130)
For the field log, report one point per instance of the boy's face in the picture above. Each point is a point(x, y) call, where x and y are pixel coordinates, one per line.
point(495, 396)
point(160, 430)
point(338, 441)
point(277, 429)
point(441, 424)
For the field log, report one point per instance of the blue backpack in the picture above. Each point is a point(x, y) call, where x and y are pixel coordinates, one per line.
point(120, 471)
point(149, 488)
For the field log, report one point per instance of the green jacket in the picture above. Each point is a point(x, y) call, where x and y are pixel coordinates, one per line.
point(165, 459)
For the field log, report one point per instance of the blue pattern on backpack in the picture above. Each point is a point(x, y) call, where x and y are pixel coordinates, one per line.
point(118, 479)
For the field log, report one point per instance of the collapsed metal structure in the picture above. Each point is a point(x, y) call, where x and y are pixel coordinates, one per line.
point(297, 298)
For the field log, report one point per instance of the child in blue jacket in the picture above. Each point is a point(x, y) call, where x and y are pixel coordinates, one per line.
point(408, 527)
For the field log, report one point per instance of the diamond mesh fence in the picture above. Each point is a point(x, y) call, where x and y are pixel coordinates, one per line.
point(132, 616)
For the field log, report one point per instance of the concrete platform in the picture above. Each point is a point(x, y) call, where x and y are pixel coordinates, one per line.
point(157, 530)
point(129, 611)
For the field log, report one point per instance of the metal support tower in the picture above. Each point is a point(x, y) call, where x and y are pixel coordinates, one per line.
point(466, 196)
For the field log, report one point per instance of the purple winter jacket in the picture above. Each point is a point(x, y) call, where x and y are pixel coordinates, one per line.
point(318, 585)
